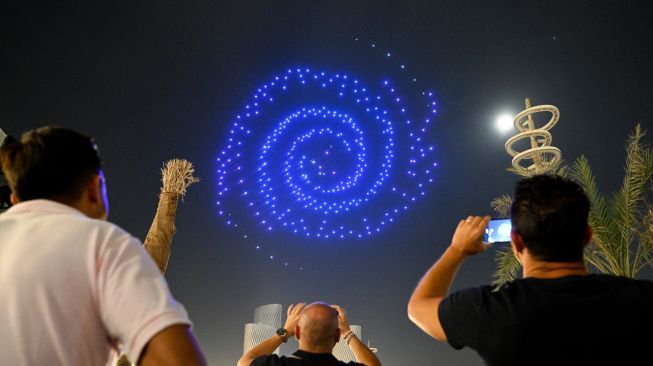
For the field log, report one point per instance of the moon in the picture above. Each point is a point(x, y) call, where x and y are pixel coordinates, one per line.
point(504, 123)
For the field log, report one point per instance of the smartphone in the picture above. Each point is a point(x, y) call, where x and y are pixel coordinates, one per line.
point(498, 231)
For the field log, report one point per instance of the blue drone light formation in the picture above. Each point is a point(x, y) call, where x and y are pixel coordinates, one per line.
point(323, 155)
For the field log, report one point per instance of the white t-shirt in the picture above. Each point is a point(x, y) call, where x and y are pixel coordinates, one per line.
point(72, 288)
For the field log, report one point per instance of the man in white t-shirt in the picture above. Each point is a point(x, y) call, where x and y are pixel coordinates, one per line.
point(72, 285)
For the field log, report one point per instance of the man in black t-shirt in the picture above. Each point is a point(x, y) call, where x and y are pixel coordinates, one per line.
point(318, 328)
point(559, 313)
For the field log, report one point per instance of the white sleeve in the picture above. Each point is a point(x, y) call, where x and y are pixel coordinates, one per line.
point(134, 300)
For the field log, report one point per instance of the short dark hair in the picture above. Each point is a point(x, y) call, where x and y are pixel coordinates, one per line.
point(550, 213)
point(50, 163)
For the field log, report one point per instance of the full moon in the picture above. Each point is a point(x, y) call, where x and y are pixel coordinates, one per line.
point(504, 123)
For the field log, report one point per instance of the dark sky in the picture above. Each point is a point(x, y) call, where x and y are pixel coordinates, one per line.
point(154, 80)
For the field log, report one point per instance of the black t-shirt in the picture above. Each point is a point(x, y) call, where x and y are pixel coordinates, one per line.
point(302, 358)
point(573, 320)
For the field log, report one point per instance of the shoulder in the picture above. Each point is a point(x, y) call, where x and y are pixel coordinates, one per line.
point(274, 360)
point(112, 231)
point(83, 227)
point(465, 303)
point(266, 360)
point(601, 281)
point(470, 295)
point(594, 287)
point(471, 304)
point(104, 238)
point(462, 301)
point(623, 280)
point(624, 283)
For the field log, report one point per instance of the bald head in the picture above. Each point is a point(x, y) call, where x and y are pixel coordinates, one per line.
point(318, 327)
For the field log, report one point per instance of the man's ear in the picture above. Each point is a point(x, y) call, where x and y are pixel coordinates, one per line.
point(94, 198)
point(337, 335)
point(13, 198)
point(517, 241)
point(517, 244)
point(297, 332)
point(94, 189)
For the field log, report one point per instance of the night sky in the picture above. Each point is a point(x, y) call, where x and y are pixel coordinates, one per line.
point(155, 80)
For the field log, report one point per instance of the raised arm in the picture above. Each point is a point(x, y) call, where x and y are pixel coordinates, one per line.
point(434, 286)
point(269, 345)
point(173, 346)
point(362, 353)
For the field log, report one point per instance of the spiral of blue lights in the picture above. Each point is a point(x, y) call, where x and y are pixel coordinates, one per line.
point(324, 155)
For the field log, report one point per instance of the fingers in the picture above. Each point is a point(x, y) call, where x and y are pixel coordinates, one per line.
point(341, 311)
point(299, 307)
point(474, 223)
point(342, 314)
point(295, 309)
point(343, 323)
point(475, 220)
point(468, 237)
point(292, 320)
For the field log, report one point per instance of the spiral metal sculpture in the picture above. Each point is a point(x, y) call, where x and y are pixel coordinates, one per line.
point(542, 156)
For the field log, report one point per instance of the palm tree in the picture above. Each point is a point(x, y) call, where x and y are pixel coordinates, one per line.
point(623, 224)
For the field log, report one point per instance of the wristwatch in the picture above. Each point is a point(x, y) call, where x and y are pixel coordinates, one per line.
point(283, 333)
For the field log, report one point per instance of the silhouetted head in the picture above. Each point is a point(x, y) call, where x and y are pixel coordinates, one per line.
point(318, 328)
point(551, 213)
point(52, 163)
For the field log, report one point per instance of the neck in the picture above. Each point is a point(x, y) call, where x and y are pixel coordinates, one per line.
point(315, 349)
point(542, 269)
point(87, 209)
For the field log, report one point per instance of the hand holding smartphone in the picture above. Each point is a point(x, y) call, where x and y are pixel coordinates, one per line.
point(498, 231)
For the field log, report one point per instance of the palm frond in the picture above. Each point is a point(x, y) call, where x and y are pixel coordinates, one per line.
point(605, 237)
point(644, 251)
point(629, 199)
point(501, 205)
point(596, 258)
point(507, 267)
point(521, 173)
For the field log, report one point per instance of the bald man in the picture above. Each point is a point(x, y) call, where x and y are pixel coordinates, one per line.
point(318, 328)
